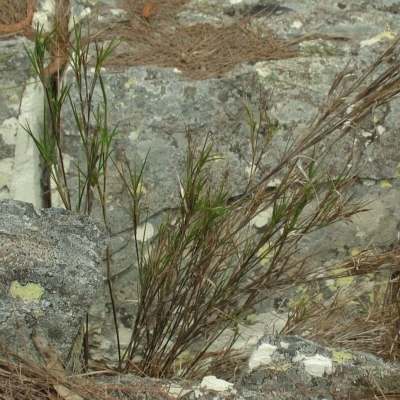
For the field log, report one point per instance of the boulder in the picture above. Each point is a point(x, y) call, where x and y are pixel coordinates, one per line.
point(49, 277)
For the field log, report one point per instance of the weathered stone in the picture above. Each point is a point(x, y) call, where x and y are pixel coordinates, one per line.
point(154, 105)
point(292, 367)
point(289, 367)
point(49, 276)
point(20, 175)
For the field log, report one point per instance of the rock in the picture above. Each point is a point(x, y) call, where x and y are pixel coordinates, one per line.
point(289, 367)
point(153, 102)
point(20, 172)
point(286, 367)
point(48, 275)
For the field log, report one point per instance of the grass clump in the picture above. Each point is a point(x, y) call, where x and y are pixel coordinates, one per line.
point(209, 265)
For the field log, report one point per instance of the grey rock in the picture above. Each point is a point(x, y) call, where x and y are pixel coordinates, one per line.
point(152, 105)
point(14, 72)
point(289, 367)
point(48, 275)
point(292, 367)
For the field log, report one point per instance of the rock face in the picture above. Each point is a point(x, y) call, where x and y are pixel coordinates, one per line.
point(48, 275)
point(285, 367)
point(49, 257)
point(289, 367)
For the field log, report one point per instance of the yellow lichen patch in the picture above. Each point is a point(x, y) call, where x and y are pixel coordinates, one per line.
point(14, 97)
point(184, 358)
point(369, 277)
point(341, 356)
point(386, 34)
point(130, 82)
point(38, 314)
point(300, 302)
point(252, 318)
point(216, 157)
point(301, 289)
point(353, 303)
point(111, 200)
point(385, 183)
point(335, 284)
point(283, 367)
point(383, 35)
point(31, 292)
point(265, 253)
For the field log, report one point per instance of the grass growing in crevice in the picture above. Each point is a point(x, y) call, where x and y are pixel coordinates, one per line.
point(91, 122)
point(208, 266)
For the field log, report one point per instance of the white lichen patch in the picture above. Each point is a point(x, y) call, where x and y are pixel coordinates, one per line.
point(316, 365)
point(119, 13)
point(44, 18)
point(76, 18)
point(319, 365)
point(213, 383)
point(262, 218)
point(6, 166)
point(125, 336)
point(262, 355)
point(145, 232)
point(380, 129)
point(296, 25)
point(262, 69)
point(8, 130)
point(368, 182)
